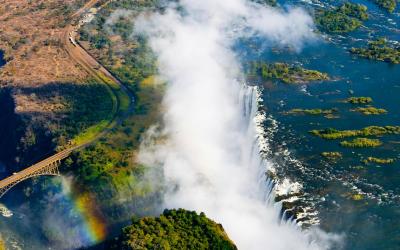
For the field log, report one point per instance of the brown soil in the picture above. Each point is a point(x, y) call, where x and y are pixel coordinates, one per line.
point(31, 36)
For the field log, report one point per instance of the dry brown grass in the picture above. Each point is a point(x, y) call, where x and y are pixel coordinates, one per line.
point(30, 35)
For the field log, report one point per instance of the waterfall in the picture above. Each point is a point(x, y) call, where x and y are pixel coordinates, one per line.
point(210, 145)
point(254, 118)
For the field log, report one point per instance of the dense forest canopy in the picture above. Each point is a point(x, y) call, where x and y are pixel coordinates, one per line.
point(174, 229)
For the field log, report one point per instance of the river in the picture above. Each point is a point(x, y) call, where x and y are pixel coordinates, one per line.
point(348, 197)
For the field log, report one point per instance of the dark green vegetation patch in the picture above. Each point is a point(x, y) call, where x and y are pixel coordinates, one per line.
point(327, 113)
point(11, 128)
point(378, 160)
point(359, 100)
point(70, 109)
point(361, 143)
point(370, 110)
point(331, 134)
point(389, 5)
point(285, 73)
point(174, 229)
point(379, 50)
point(345, 18)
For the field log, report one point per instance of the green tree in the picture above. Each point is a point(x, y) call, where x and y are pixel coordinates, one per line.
point(174, 229)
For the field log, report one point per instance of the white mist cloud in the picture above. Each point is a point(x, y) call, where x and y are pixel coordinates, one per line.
point(209, 161)
point(115, 17)
point(62, 225)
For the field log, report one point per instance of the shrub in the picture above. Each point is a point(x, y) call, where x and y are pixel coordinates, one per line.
point(361, 143)
point(359, 100)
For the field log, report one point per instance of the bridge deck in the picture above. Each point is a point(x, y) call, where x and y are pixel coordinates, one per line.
point(35, 168)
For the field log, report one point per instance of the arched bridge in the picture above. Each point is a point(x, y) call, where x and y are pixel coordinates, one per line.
point(49, 166)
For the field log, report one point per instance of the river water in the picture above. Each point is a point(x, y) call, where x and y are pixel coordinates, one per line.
point(360, 201)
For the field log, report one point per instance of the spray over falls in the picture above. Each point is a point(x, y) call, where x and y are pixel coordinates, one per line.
point(211, 160)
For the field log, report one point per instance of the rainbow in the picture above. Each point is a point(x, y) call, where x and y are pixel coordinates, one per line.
point(92, 228)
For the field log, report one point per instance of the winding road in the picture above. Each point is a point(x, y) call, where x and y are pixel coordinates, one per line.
point(77, 53)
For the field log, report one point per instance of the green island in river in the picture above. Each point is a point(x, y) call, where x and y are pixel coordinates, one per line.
point(342, 19)
point(369, 110)
point(359, 100)
point(327, 113)
point(285, 72)
point(332, 134)
point(378, 160)
point(312, 111)
point(389, 5)
point(361, 143)
point(379, 50)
